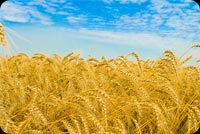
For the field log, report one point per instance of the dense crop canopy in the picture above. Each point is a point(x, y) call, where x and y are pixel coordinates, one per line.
point(58, 95)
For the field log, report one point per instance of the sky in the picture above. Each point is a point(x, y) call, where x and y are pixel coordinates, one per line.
point(96, 28)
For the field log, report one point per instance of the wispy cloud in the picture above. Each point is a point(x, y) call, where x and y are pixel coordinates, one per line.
point(145, 40)
point(56, 7)
point(44, 3)
point(16, 12)
point(132, 1)
point(125, 1)
point(58, 1)
point(39, 16)
point(164, 18)
point(77, 19)
point(108, 1)
point(150, 45)
point(105, 43)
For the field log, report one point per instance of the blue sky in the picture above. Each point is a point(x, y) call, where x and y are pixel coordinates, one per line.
point(102, 27)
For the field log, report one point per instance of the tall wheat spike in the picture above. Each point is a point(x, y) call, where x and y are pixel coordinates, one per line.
point(2, 36)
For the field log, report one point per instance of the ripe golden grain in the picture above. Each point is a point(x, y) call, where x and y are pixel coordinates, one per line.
point(82, 96)
point(2, 36)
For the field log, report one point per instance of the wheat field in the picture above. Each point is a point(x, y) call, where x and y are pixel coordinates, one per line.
point(72, 95)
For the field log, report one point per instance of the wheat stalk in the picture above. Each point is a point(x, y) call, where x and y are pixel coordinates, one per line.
point(2, 36)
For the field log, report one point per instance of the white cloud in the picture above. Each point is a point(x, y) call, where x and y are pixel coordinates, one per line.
point(165, 19)
point(54, 6)
point(144, 41)
point(136, 20)
point(125, 1)
point(132, 1)
point(77, 19)
point(59, 1)
point(69, 7)
point(16, 12)
point(62, 13)
point(165, 6)
point(131, 38)
point(43, 3)
point(39, 16)
point(108, 1)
